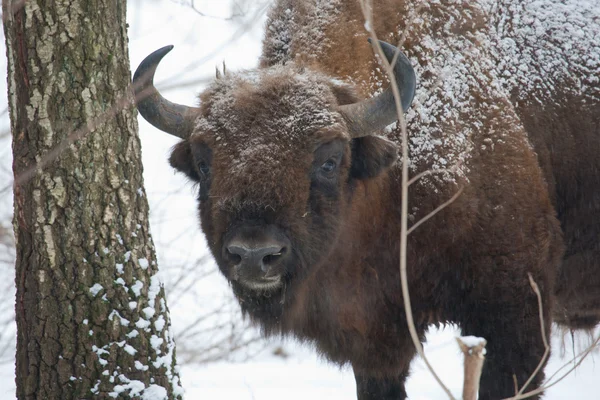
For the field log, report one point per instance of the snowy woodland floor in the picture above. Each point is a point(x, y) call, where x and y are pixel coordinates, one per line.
point(201, 42)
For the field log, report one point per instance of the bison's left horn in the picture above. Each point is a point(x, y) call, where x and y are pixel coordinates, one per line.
point(371, 115)
point(172, 118)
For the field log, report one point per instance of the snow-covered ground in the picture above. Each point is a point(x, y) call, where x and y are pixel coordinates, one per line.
point(303, 376)
point(201, 43)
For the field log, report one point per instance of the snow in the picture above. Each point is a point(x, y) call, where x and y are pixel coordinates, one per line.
point(148, 312)
point(155, 392)
point(133, 333)
point(159, 324)
point(115, 313)
point(304, 375)
point(153, 290)
point(156, 342)
point(95, 289)
point(134, 387)
point(137, 287)
point(129, 349)
point(472, 341)
point(142, 323)
point(143, 262)
point(99, 352)
point(140, 366)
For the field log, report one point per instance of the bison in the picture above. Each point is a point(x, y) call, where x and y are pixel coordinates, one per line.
point(299, 190)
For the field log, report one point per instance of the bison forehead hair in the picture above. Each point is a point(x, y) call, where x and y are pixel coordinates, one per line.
point(285, 102)
point(263, 127)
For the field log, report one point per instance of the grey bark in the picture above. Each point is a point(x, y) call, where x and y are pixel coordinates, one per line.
point(91, 314)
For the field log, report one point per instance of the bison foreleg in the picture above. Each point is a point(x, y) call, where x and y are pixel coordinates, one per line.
point(515, 346)
point(369, 388)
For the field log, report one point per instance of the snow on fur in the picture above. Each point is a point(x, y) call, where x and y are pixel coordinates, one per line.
point(307, 28)
point(542, 43)
point(524, 48)
point(304, 105)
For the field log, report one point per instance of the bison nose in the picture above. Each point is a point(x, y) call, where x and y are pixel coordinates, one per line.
point(265, 255)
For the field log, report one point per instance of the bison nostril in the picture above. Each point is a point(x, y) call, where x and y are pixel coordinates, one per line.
point(234, 257)
point(271, 259)
point(249, 256)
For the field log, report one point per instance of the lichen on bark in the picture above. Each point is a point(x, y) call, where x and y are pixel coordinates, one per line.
point(92, 318)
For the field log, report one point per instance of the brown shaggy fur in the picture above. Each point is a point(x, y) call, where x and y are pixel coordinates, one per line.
point(263, 136)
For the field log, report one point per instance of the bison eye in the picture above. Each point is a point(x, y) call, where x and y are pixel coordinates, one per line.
point(329, 166)
point(204, 169)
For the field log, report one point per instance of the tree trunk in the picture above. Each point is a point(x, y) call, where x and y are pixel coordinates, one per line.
point(91, 314)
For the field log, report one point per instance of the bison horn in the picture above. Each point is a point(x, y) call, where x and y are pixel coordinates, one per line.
point(176, 119)
point(370, 115)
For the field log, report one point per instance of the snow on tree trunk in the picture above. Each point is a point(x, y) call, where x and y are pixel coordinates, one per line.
point(92, 318)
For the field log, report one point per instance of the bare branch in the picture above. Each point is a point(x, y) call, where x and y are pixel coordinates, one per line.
point(536, 289)
point(238, 13)
point(595, 343)
point(366, 6)
point(474, 352)
point(420, 175)
point(437, 210)
point(520, 394)
point(548, 385)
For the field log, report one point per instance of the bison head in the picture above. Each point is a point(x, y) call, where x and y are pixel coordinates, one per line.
point(276, 154)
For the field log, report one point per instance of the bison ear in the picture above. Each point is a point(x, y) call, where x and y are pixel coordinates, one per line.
point(372, 155)
point(183, 161)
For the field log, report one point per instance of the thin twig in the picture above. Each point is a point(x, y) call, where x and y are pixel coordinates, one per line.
point(438, 209)
point(231, 17)
point(428, 172)
point(366, 9)
point(594, 343)
point(549, 385)
point(536, 289)
point(243, 29)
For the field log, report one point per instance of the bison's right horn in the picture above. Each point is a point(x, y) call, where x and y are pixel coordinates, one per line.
point(373, 114)
point(172, 118)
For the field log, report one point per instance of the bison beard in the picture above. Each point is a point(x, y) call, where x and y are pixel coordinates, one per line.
point(299, 197)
